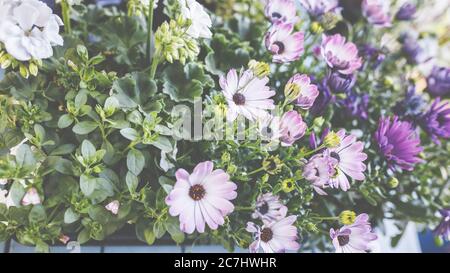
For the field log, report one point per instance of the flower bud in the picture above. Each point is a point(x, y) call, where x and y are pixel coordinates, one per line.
point(332, 140)
point(316, 28)
point(260, 69)
point(347, 217)
point(291, 91)
point(393, 183)
point(288, 185)
point(23, 70)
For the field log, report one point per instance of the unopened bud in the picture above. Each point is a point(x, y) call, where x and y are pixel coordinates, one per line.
point(347, 217)
point(260, 69)
point(332, 140)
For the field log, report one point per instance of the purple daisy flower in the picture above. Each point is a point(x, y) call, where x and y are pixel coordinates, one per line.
point(283, 44)
point(269, 208)
point(443, 229)
point(377, 12)
point(308, 91)
point(436, 122)
point(439, 81)
point(406, 12)
point(356, 105)
point(281, 11)
point(317, 8)
point(398, 143)
point(412, 106)
point(354, 238)
point(340, 83)
point(340, 55)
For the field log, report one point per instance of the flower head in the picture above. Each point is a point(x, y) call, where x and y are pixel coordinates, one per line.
point(356, 105)
point(347, 217)
point(31, 197)
point(200, 20)
point(274, 237)
point(439, 81)
point(246, 95)
point(377, 12)
point(398, 143)
point(443, 229)
point(281, 11)
point(269, 208)
point(412, 106)
point(203, 196)
point(406, 12)
point(307, 92)
point(317, 8)
point(319, 170)
point(284, 45)
point(354, 238)
point(340, 83)
point(292, 128)
point(436, 121)
point(113, 207)
point(340, 55)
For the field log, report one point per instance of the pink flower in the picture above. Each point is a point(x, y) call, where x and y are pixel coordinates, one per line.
point(350, 156)
point(269, 208)
point(246, 95)
point(308, 91)
point(339, 55)
point(283, 44)
point(31, 197)
point(319, 170)
point(319, 7)
point(281, 11)
point(354, 238)
point(277, 236)
point(113, 207)
point(377, 12)
point(200, 197)
point(64, 239)
point(292, 128)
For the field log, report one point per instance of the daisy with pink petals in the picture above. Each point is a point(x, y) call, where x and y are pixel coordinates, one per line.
point(269, 208)
point(340, 55)
point(274, 237)
point(354, 238)
point(349, 156)
point(281, 11)
point(31, 197)
point(377, 12)
point(246, 95)
point(113, 207)
point(308, 92)
point(292, 128)
point(201, 197)
point(284, 45)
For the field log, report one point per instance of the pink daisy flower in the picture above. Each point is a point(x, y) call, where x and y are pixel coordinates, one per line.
point(113, 207)
point(281, 11)
point(201, 197)
point(340, 55)
point(269, 208)
point(284, 45)
point(319, 170)
point(308, 91)
point(246, 95)
point(274, 237)
point(377, 12)
point(354, 238)
point(31, 197)
point(292, 128)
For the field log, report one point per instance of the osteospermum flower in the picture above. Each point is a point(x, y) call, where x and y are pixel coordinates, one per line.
point(269, 208)
point(31, 197)
point(443, 229)
point(292, 128)
point(439, 81)
point(284, 45)
point(377, 12)
point(319, 170)
point(436, 121)
point(274, 237)
point(281, 11)
point(113, 207)
point(307, 92)
point(340, 55)
point(200, 20)
point(349, 156)
point(318, 8)
point(201, 197)
point(29, 29)
point(246, 95)
point(354, 238)
point(398, 143)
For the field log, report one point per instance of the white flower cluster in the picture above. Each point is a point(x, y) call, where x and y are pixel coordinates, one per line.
point(28, 29)
point(71, 2)
point(200, 20)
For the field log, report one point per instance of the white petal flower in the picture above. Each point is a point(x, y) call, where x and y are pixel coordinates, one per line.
point(201, 22)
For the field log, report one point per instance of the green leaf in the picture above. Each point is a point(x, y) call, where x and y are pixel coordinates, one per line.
point(135, 89)
point(159, 230)
point(132, 182)
point(129, 133)
point(173, 228)
point(166, 184)
point(64, 166)
point(25, 157)
point(65, 121)
point(84, 127)
point(135, 161)
point(63, 149)
point(87, 185)
point(37, 214)
point(149, 236)
point(87, 149)
point(163, 143)
point(70, 216)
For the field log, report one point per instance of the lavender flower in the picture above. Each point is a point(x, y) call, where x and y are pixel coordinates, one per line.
point(443, 229)
point(412, 106)
point(373, 55)
point(398, 143)
point(356, 105)
point(317, 8)
point(340, 83)
point(439, 81)
point(307, 92)
point(292, 128)
point(436, 122)
point(269, 208)
point(319, 170)
point(284, 45)
point(340, 55)
point(377, 12)
point(406, 12)
point(281, 11)
point(322, 101)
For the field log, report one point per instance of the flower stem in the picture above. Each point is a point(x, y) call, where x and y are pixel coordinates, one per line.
point(150, 30)
point(153, 67)
point(65, 10)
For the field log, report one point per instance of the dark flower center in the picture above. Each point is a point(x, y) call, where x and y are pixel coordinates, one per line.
point(197, 192)
point(276, 15)
point(267, 132)
point(266, 235)
point(335, 156)
point(343, 239)
point(264, 208)
point(280, 46)
point(239, 99)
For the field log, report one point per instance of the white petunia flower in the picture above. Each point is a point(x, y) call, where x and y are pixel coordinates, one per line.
point(201, 22)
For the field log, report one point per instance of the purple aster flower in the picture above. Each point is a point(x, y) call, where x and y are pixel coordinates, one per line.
point(292, 128)
point(354, 238)
point(322, 101)
point(439, 81)
point(436, 122)
point(350, 161)
point(412, 106)
point(269, 208)
point(398, 143)
point(377, 12)
point(274, 237)
point(356, 105)
point(281, 11)
point(319, 170)
point(418, 51)
point(406, 12)
point(340, 83)
point(317, 8)
point(373, 55)
point(443, 229)
point(308, 92)
point(283, 44)
point(340, 55)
